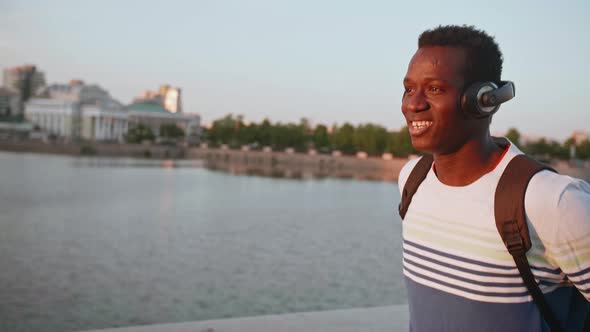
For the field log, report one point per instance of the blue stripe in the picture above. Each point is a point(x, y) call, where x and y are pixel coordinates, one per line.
point(579, 273)
point(582, 282)
point(525, 293)
point(471, 281)
point(519, 283)
point(462, 269)
point(556, 271)
point(462, 259)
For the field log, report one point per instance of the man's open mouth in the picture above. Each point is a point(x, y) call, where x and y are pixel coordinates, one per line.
point(419, 127)
point(421, 124)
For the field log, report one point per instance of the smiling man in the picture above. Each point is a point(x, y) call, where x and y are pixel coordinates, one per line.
point(459, 273)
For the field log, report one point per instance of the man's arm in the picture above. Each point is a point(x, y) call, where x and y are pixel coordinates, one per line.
point(559, 210)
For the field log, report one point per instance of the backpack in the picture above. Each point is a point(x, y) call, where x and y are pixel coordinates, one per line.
point(510, 218)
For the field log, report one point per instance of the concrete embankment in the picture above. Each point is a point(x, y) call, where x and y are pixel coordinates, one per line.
point(278, 164)
point(98, 149)
point(378, 319)
point(272, 163)
point(292, 165)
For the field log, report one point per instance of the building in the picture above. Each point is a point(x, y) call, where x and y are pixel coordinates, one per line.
point(78, 111)
point(25, 80)
point(154, 115)
point(9, 102)
point(56, 117)
point(580, 136)
point(167, 96)
point(171, 98)
point(148, 96)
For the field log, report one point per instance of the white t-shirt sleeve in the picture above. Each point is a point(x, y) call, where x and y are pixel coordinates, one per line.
point(558, 208)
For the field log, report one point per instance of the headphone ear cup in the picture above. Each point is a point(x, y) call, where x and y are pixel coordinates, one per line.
point(471, 100)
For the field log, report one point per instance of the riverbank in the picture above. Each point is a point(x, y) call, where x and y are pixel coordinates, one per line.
point(265, 163)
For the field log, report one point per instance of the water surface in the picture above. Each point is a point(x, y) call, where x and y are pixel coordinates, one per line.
point(90, 243)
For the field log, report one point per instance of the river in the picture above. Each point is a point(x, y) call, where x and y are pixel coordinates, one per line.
point(88, 243)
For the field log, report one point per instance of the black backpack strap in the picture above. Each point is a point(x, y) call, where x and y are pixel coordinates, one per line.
point(416, 177)
point(511, 223)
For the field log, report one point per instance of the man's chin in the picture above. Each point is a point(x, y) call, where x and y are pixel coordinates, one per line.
point(422, 146)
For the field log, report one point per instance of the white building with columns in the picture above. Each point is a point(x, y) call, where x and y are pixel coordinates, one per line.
point(77, 110)
point(53, 116)
point(99, 124)
point(80, 111)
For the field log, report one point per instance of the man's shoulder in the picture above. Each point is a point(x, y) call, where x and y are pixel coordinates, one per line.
point(548, 188)
point(555, 201)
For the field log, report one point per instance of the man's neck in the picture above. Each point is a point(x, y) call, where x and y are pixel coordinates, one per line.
point(466, 165)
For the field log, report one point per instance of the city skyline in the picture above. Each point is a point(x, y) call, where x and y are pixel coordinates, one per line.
point(327, 61)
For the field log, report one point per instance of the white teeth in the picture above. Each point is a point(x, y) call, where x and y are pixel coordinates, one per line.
point(421, 124)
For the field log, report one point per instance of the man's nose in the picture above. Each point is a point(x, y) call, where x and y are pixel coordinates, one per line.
point(415, 102)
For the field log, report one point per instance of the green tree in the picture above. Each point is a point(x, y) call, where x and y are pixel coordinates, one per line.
point(343, 139)
point(321, 138)
point(583, 150)
point(139, 133)
point(371, 139)
point(264, 135)
point(514, 136)
point(288, 135)
point(171, 130)
point(400, 143)
point(546, 149)
point(224, 131)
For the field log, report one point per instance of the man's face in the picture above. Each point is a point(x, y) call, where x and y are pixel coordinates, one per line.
point(433, 85)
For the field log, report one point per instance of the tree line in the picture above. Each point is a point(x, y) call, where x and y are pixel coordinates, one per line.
point(348, 139)
point(375, 140)
point(140, 133)
point(546, 149)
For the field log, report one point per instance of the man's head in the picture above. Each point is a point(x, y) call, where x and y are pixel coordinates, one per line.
point(484, 58)
point(448, 60)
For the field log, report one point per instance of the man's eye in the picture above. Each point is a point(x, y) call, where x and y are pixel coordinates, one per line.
point(435, 89)
point(408, 89)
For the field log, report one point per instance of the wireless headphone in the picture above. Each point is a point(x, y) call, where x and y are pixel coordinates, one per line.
point(482, 99)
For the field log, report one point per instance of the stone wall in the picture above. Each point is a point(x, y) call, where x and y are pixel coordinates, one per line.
point(295, 165)
point(99, 149)
point(278, 164)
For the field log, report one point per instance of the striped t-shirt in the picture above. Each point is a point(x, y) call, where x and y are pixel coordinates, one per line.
point(458, 273)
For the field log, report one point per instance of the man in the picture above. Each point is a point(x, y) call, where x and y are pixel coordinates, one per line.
point(459, 274)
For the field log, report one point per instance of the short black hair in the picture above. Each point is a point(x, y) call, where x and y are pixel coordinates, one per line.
point(484, 58)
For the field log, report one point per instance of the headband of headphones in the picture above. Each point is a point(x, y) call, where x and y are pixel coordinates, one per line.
point(482, 99)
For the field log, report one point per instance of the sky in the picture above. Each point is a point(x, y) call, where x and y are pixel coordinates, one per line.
point(330, 61)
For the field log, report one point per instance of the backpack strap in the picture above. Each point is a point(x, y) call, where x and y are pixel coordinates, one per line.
point(511, 223)
point(416, 177)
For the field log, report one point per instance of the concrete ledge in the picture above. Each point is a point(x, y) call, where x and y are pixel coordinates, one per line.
point(390, 318)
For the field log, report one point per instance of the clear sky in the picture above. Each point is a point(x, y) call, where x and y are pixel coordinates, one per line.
point(329, 61)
